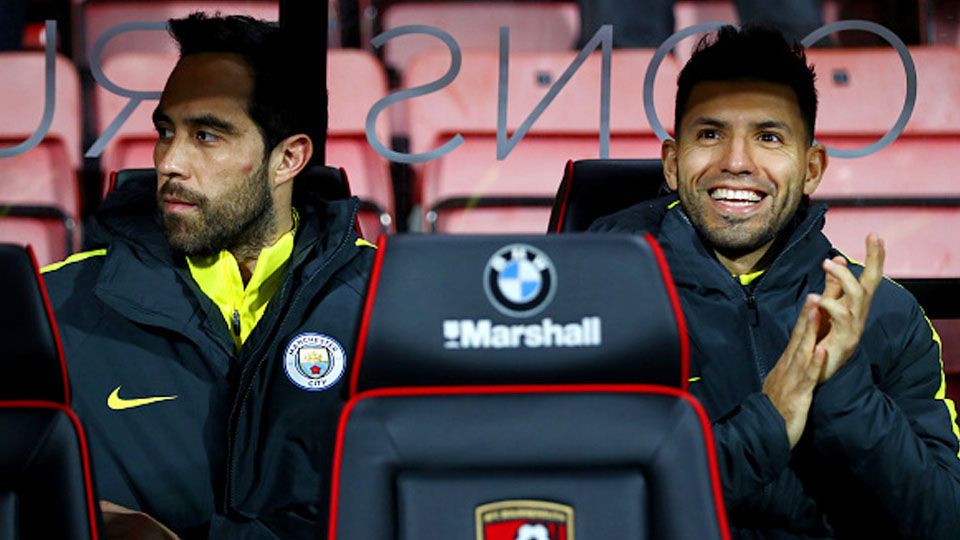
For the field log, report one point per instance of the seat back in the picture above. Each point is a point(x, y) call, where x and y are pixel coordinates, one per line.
point(905, 192)
point(593, 188)
point(39, 193)
point(46, 489)
point(533, 393)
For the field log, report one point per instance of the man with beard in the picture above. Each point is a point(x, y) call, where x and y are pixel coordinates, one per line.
point(822, 378)
point(208, 336)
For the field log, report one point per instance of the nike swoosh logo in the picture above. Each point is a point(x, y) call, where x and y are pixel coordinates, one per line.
point(117, 403)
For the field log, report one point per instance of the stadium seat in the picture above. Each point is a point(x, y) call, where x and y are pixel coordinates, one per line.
point(46, 490)
point(356, 81)
point(39, 192)
point(94, 17)
point(906, 192)
point(534, 26)
point(458, 189)
point(585, 191)
point(333, 185)
point(500, 408)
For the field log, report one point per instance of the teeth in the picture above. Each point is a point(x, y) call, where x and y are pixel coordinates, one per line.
point(735, 195)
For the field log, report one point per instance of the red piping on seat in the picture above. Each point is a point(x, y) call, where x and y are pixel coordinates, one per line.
point(84, 451)
point(705, 425)
point(677, 310)
point(53, 325)
point(566, 183)
point(367, 311)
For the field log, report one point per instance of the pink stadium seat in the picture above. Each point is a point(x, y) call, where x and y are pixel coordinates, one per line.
point(94, 17)
point(45, 176)
point(568, 129)
point(861, 94)
point(355, 81)
point(534, 26)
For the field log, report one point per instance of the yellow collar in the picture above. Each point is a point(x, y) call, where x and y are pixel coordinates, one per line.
point(242, 307)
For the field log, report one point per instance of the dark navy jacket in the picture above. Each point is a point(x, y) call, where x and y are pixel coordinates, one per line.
point(241, 451)
point(879, 457)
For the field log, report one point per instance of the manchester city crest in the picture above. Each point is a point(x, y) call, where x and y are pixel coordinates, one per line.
point(524, 520)
point(520, 280)
point(314, 361)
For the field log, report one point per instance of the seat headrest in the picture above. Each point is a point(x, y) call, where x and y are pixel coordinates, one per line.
point(328, 182)
point(512, 309)
point(31, 355)
point(593, 188)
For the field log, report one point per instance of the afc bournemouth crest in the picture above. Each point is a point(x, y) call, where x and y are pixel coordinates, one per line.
point(524, 520)
point(314, 361)
point(519, 280)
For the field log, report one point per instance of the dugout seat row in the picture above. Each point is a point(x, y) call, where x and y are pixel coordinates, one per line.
point(46, 487)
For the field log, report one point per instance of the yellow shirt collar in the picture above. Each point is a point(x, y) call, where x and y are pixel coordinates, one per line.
point(218, 276)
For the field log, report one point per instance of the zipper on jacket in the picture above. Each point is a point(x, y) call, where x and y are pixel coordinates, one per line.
point(243, 390)
point(235, 323)
point(752, 308)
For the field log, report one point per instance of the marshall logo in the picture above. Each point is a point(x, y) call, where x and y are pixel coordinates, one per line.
point(524, 520)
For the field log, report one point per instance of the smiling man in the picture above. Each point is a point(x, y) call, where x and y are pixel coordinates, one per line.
point(823, 379)
point(208, 336)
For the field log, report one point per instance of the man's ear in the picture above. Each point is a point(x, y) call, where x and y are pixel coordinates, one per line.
point(816, 165)
point(290, 157)
point(668, 153)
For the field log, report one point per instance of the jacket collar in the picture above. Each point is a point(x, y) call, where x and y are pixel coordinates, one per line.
point(694, 265)
point(143, 280)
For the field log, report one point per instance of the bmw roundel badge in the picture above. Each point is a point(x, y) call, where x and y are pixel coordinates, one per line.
point(520, 280)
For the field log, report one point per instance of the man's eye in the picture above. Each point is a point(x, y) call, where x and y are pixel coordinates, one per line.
point(770, 138)
point(206, 136)
point(164, 133)
point(708, 134)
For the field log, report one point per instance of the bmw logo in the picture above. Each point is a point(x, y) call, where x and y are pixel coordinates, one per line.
point(520, 280)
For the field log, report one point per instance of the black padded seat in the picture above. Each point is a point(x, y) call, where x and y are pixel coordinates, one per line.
point(593, 188)
point(467, 421)
point(46, 486)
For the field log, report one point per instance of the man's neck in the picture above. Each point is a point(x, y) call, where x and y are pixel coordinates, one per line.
point(747, 263)
point(247, 256)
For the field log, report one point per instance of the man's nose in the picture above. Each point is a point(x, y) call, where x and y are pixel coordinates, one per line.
point(171, 157)
point(738, 158)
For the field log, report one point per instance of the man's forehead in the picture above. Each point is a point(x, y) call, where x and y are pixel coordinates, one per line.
point(746, 99)
point(208, 80)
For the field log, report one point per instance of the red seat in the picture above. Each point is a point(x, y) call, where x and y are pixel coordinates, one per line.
point(534, 26)
point(46, 175)
point(568, 129)
point(861, 94)
point(97, 16)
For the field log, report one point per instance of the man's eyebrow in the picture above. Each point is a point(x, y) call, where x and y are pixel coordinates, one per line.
point(773, 124)
point(708, 121)
point(158, 116)
point(211, 121)
point(203, 120)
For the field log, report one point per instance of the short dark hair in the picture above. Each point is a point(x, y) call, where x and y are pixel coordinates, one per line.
point(282, 103)
point(752, 53)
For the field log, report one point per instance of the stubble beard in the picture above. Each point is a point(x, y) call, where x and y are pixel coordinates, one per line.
point(242, 222)
point(735, 238)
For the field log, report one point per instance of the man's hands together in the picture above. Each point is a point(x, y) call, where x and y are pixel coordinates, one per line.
point(825, 336)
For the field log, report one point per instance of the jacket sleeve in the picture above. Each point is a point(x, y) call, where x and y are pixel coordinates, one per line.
point(752, 448)
point(886, 416)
